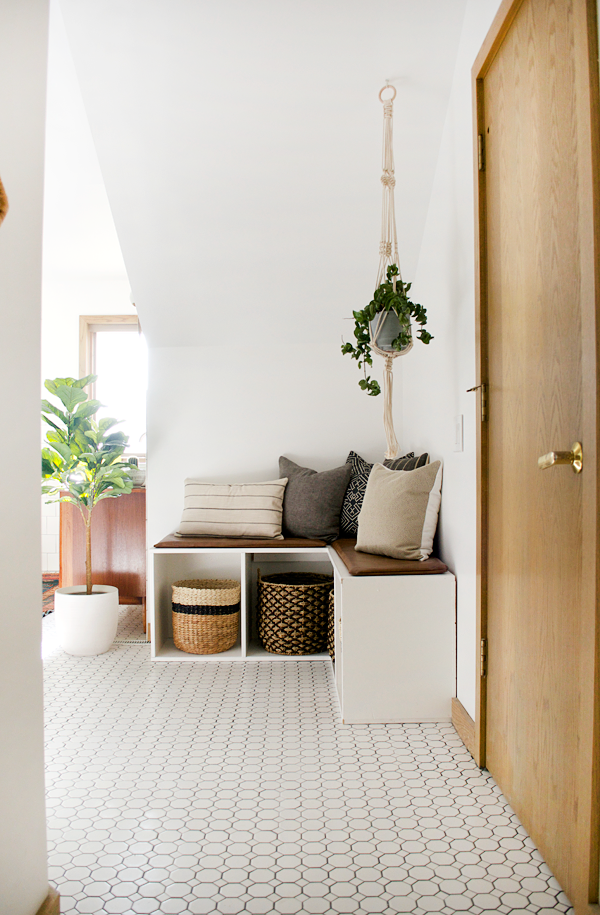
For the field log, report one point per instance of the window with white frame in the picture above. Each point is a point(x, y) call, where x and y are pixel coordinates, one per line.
point(113, 348)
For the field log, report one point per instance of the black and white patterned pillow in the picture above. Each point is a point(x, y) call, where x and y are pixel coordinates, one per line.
point(355, 493)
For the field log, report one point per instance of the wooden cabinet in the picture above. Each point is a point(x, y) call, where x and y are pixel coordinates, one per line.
point(118, 545)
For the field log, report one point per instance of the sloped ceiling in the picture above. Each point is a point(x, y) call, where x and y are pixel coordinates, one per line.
point(79, 232)
point(240, 145)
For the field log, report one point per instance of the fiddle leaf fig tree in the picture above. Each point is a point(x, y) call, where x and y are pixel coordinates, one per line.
point(81, 458)
point(389, 296)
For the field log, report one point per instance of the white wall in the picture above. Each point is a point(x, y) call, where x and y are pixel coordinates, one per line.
point(436, 378)
point(50, 537)
point(227, 413)
point(240, 144)
point(241, 149)
point(83, 269)
point(242, 165)
point(23, 870)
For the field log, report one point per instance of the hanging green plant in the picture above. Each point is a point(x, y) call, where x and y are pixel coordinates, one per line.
point(390, 296)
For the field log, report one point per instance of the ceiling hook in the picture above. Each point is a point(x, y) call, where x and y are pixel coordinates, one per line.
point(387, 86)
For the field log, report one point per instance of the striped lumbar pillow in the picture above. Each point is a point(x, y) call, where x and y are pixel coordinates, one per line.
point(232, 510)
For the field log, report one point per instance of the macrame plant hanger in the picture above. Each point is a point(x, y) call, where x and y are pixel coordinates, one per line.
point(388, 254)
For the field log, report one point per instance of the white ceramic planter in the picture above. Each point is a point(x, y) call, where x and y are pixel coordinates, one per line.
point(86, 624)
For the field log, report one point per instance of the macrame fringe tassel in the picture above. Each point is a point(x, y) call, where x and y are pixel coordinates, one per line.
point(388, 419)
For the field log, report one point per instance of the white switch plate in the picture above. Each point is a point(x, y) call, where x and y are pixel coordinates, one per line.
point(458, 433)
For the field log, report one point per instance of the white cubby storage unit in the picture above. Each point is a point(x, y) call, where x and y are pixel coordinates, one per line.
point(173, 564)
point(395, 646)
point(395, 634)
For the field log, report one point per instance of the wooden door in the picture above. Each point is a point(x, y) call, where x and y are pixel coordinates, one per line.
point(535, 88)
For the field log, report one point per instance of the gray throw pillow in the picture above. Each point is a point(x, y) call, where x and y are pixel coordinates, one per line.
point(312, 501)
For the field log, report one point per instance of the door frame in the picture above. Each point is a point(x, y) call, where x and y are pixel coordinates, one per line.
point(588, 100)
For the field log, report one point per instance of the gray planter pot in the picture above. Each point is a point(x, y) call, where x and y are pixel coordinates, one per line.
point(388, 331)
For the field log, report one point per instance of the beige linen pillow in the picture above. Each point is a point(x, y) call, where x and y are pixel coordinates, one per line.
point(399, 512)
point(232, 509)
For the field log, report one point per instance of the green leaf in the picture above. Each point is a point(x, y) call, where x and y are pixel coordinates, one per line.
point(63, 450)
point(111, 494)
point(90, 459)
point(79, 436)
point(48, 407)
point(48, 468)
point(69, 499)
point(56, 435)
point(117, 438)
point(53, 385)
point(70, 396)
point(50, 423)
point(48, 454)
point(106, 423)
point(87, 409)
point(83, 382)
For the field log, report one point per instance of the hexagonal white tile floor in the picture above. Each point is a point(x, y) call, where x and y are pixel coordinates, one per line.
point(229, 787)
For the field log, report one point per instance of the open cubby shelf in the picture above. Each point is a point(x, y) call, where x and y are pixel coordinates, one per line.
point(170, 565)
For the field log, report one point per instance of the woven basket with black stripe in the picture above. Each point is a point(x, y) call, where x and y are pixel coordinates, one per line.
point(206, 615)
point(292, 612)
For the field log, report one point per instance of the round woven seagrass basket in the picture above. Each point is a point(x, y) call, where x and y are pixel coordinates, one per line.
point(292, 612)
point(331, 627)
point(206, 614)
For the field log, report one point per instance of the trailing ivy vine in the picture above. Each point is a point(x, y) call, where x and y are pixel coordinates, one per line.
point(386, 298)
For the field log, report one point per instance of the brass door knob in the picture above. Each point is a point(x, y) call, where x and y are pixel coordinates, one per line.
point(574, 457)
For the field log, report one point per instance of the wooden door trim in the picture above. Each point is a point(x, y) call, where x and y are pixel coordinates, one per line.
point(503, 20)
point(589, 203)
point(51, 904)
point(493, 40)
point(587, 76)
point(464, 725)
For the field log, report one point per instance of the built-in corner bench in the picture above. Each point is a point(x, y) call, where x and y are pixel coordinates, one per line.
point(395, 641)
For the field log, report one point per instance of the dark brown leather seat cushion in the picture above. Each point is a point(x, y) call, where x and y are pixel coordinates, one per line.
point(356, 563)
point(187, 543)
point(369, 564)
